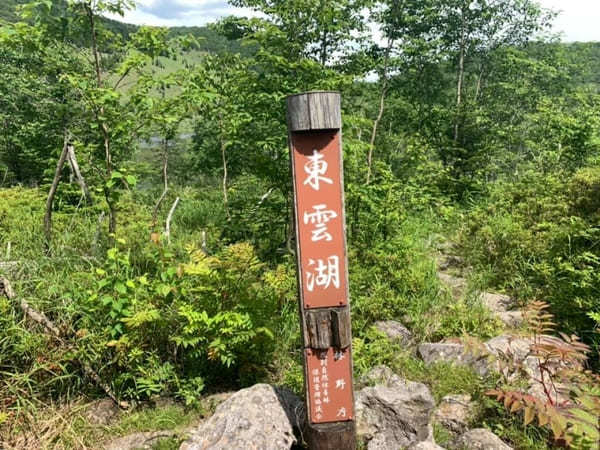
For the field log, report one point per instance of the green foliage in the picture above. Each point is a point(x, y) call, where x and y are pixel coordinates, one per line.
point(537, 237)
point(374, 349)
point(169, 329)
point(470, 125)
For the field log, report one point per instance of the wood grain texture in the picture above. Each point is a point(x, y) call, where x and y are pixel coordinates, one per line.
point(331, 436)
point(318, 325)
point(327, 327)
point(314, 111)
point(341, 328)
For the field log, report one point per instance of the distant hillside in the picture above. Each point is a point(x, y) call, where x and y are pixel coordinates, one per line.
point(209, 40)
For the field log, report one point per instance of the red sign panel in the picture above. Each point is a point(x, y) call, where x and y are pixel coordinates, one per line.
point(329, 385)
point(317, 166)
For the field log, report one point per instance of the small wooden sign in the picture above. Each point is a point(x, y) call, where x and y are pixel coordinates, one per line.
point(329, 385)
point(314, 122)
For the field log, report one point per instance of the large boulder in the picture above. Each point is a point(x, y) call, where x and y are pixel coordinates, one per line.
point(426, 445)
point(480, 439)
point(395, 331)
point(455, 412)
point(454, 353)
point(261, 417)
point(394, 415)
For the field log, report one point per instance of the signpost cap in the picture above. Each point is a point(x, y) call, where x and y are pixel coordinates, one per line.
point(314, 111)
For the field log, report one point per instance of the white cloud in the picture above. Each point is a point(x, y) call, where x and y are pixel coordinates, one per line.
point(578, 21)
point(180, 12)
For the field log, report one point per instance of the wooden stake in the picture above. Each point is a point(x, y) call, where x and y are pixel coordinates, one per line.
point(80, 180)
point(53, 188)
point(314, 125)
point(169, 218)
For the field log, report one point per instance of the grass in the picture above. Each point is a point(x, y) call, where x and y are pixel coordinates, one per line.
point(151, 419)
point(66, 426)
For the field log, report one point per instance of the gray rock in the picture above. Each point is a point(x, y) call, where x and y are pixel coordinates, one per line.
point(137, 441)
point(426, 445)
point(214, 400)
point(162, 402)
point(260, 417)
point(453, 353)
point(394, 417)
point(517, 351)
point(517, 347)
point(514, 351)
point(456, 285)
point(101, 412)
point(501, 307)
point(455, 412)
point(497, 302)
point(382, 375)
point(481, 439)
point(395, 331)
point(512, 319)
point(445, 262)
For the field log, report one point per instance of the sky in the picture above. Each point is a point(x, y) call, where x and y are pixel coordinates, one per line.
point(579, 19)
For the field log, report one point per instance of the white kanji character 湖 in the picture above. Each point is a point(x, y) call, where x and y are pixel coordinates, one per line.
point(324, 275)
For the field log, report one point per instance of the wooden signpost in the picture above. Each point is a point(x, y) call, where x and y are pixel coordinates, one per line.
point(315, 139)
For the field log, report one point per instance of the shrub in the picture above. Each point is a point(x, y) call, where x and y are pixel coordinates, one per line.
point(179, 326)
point(539, 238)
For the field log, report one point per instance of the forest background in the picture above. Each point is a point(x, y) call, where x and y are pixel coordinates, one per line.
point(146, 206)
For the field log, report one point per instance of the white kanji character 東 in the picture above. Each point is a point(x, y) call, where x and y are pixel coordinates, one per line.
point(316, 168)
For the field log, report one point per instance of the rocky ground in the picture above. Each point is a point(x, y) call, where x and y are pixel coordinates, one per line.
point(391, 412)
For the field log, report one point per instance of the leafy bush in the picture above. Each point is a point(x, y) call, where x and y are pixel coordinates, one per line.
point(538, 238)
point(170, 329)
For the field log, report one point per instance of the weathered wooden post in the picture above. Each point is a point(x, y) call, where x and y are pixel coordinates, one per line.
point(315, 139)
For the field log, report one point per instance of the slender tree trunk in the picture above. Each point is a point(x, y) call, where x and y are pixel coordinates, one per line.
point(479, 81)
point(323, 48)
point(80, 180)
point(112, 211)
point(384, 87)
point(461, 77)
point(224, 157)
point(165, 177)
point(53, 188)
